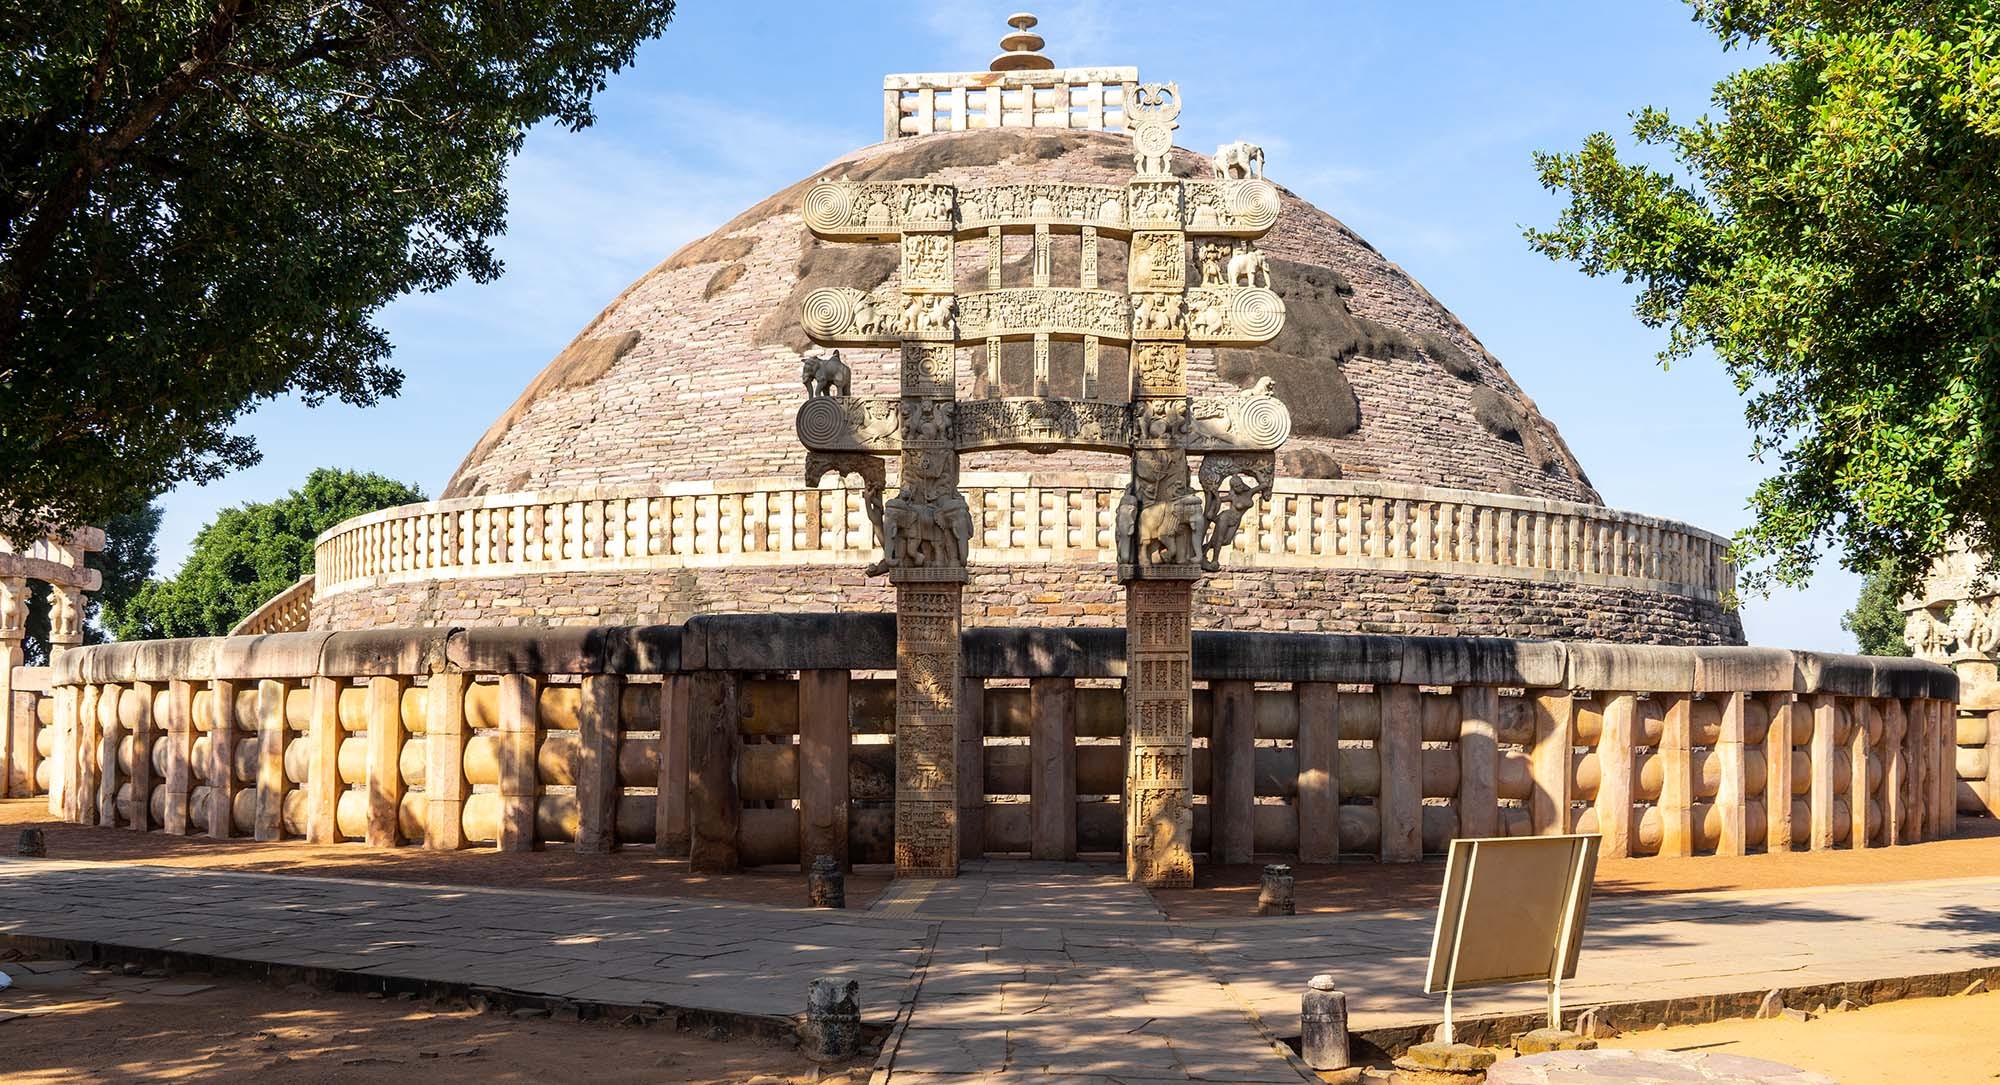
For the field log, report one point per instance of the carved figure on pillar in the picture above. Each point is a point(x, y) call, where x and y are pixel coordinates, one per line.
point(13, 608)
point(1231, 483)
point(65, 616)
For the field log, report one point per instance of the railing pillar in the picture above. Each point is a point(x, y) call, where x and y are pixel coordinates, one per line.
point(1896, 823)
point(271, 782)
point(670, 814)
point(1400, 748)
point(1825, 724)
point(20, 707)
point(824, 736)
point(145, 732)
point(62, 750)
point(175, 815)
point(715, 739)
point(81, 801)
point(222, 782)
point(1863, 713)
point(109, 730)
point(445, 736)
point(1614, 774)
point(1677, 828)
point(1052, 768)
point(1232, 772)
point(13, 752)
point(1947, 753)
point(1730, 794)
point(597, 787)
point(1778, 774)
point(520, 775)
point(1992, 764)
point(1478, 761)
point(971, 769)
point(323, 783)
point(1319, 772)
point(1549, 761)
point(386, 736)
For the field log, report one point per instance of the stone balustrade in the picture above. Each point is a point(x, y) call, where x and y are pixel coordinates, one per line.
point(745, 740)
point(919, 104)
point(289, 611)
point(1018, 520)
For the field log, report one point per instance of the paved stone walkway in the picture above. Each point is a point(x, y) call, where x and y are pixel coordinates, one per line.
point(1013, 971)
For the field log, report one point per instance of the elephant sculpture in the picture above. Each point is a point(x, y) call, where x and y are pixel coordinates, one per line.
point(1170, 531)
point(1247, 265)
point(1238, 161)
point(825, 375)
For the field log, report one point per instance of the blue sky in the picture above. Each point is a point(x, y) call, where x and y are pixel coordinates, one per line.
point(1411, 122)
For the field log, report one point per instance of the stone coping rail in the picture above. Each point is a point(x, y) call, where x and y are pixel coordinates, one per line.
point(1019, 519)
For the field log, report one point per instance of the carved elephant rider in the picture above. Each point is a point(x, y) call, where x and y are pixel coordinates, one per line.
point(919, 534)
point(1239, 160)
point(825, 375)
point(1170, 531)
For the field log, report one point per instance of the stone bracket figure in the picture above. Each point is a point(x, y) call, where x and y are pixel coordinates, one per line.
point(1231, 484)
point(826, 375)
point(869, 469)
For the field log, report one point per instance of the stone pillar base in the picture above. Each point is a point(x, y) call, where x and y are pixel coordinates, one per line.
point(1159, 734)
point(928, 608)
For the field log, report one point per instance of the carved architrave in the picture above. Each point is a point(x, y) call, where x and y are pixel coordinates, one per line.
point(1024, 312)
point(1231, 485)
point(1155, 204)
point(1241, 423)
point(1234, 315)
point(1040, 425)
point(1245, 208)
point(878, 211)
point(843, 316)
point(1057, 205)
point(851, 424)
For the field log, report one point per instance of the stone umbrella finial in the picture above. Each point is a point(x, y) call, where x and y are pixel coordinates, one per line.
point(1023, 47)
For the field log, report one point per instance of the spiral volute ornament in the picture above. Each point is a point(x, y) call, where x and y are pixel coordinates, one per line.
point(823, 422)
point(1257, 313)
point(829, 206)
point(827, 312)
point(1264, 422)
point(1254, 203)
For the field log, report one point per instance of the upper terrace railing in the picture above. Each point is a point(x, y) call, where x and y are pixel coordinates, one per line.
point(1018, 519)
point(1082, 98)
point(759, 739)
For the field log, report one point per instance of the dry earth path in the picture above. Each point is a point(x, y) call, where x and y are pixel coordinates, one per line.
point(1014, 970)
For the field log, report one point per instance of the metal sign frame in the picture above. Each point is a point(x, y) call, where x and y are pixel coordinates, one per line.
point(1476, 868)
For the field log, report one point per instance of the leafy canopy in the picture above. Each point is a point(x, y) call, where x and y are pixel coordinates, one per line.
point(1876, 620)
point(202, 205)
point(248, 554)
point(1835, 240)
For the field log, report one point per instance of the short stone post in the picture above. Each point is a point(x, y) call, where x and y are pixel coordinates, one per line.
point(832, 1028)
point(1399, 747)
point(33, 844)
point(670, 812)
point(1318, 750)
point(715, 740)
point(1274, 893)
point(1614, 778)
point(1052, 768)
point(1678, 834)
point(272, 784)
point(1895, 775)
point(824, 733)
point(445, 736)
point(1323, 1025)
point(1778, 774)
point(520, 777)
point(1232, 787)
point(175, 817)
point(826, 886)
point(222, 780)
point(386, 735)
point(1825, 722)
point(1730, 793)
point(597, 786)
point(1478, 761)
point(1862, 713)
point(323, 784)
point(145, 732)
point(110, 731)
point(1553, 777)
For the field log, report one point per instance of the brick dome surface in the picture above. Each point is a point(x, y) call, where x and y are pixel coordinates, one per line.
point(692, 373)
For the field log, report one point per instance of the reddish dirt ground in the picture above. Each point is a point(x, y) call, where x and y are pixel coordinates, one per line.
point(62, 1023)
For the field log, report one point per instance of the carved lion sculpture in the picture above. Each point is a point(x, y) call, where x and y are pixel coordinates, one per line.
point(1239, 160)
point(825, 375)
point(1170, 532)
point(1246, 266)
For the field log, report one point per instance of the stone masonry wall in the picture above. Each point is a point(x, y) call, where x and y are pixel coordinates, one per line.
point(1338, 601)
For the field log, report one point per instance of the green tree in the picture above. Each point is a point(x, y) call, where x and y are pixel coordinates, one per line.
point(248, 554)
point(1835, 240)
point(123, 565)
point(1876, 620)
point(202, 206)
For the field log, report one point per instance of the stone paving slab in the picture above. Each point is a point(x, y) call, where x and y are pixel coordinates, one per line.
point(1050, 972)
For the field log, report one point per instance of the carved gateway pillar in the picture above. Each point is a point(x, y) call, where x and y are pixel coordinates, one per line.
point(1167, 533)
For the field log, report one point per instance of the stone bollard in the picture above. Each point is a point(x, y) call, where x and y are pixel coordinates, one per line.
point(1274, 896)
point(825, 885)
point(833, 1020)
point(1323, 1025)
point(33, 844)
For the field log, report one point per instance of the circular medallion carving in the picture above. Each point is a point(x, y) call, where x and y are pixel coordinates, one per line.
point(1256, 313)
point(828, 207)
point(1264, 422)
point(822, 421)
point(826, 312)
point(1254, 203)
point(1154, 139)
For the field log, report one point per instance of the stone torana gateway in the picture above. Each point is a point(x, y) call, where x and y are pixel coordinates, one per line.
point(1142, 510)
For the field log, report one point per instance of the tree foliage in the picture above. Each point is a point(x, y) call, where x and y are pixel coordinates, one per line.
point(1835, 239)
point(202, 205)
point(123, 565)
point(1877, 618)
point(248, 554)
